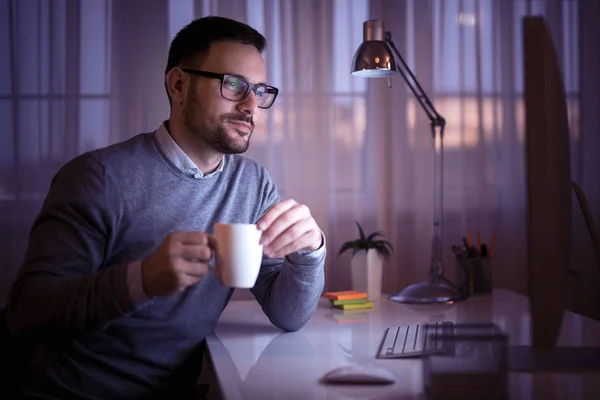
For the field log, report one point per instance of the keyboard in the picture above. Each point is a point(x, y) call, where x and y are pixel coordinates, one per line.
point(417, 340)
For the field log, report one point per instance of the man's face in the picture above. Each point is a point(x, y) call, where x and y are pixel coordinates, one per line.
point(223, 124)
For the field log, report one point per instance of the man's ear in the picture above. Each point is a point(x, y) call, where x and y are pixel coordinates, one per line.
point(175, 83)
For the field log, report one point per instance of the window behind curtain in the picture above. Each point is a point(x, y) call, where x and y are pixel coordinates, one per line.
point(54, 88)
point(468, 63)
point(478, 87)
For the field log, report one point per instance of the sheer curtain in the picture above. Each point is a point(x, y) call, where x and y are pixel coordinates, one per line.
point(54, 104)
point(468, 56)
point(80, 74)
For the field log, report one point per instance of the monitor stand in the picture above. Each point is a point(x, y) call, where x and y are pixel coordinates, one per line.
point(564, 359)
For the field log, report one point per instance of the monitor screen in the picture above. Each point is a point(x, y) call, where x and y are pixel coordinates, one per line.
point(548, 177)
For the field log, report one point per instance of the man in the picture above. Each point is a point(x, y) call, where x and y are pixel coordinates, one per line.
point(116, 289)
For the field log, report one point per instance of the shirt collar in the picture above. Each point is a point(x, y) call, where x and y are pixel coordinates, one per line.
point(177, 156)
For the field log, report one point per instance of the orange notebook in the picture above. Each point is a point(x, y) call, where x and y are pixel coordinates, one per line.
point(345, 295)
point(351, 321)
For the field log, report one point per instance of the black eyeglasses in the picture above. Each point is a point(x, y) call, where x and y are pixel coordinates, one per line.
point(234, 88)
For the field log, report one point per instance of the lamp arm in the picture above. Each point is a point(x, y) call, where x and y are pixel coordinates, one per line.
point(434, 116)
point(436, 266)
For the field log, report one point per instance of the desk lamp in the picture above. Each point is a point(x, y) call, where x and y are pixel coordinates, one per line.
point(374, 59)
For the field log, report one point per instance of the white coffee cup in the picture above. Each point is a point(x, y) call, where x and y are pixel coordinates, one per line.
point(239, 254)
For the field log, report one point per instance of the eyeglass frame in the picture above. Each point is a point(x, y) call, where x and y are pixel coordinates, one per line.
point(251, 86)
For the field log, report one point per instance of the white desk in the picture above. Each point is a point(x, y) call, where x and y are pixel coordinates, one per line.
point(254, 360)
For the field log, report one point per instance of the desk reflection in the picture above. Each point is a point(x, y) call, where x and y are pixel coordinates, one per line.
point(284, 366)
point(275, 372)
point(253, 360)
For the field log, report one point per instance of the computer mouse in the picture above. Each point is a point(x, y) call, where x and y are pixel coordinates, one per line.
point(360, 375)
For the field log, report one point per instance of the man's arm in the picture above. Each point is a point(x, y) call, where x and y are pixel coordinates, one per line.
point(60, 286)
point(289, 288)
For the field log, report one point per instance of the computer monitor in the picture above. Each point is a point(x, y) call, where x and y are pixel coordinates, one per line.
point(548, 177)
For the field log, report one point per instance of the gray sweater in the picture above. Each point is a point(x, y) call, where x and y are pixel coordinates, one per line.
point(107, 209)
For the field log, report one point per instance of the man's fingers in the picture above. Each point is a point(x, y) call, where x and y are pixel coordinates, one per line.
point(194, 269)
point(211, 242)
point(194, 238)
point(186, 280)
point(274, 212)
point(291, 247)
point(194, 252)
point(284, 221)
point(296, 237)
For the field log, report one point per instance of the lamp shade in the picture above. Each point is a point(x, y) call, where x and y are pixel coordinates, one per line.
point(374, 58)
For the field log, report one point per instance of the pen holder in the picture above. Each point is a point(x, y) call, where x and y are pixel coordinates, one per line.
point(473, 275)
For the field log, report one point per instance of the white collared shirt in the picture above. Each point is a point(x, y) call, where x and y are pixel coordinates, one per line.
point(177, 156)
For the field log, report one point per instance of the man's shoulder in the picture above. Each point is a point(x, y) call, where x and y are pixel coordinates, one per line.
point(124, 150)
point(116, 155)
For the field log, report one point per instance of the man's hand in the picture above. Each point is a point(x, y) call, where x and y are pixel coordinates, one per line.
point(288, 227)
point(180, 261)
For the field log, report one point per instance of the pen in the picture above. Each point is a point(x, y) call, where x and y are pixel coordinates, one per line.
point(467, 246)
point(484, 250)
point(491, 249)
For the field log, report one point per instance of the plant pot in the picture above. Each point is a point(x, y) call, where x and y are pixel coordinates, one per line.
point(366, 268)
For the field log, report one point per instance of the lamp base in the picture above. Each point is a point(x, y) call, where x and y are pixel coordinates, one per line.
point(427, 293)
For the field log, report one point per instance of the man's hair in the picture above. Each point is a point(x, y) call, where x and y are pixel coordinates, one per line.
point(196, 38)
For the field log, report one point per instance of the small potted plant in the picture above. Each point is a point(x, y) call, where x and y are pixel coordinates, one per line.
point(368, 254)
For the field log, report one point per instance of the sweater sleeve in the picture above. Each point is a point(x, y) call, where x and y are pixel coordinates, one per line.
point(64, 285)
point(288, 289)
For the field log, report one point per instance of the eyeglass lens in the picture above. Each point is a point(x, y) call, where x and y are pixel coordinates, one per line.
point(235, 88)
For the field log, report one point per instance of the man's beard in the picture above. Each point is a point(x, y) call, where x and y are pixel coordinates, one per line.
point(217, 136)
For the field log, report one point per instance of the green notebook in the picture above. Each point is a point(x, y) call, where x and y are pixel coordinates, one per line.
point(368, 304)
point(353, 301)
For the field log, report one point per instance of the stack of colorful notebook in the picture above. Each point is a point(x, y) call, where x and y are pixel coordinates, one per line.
point(349, 300)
